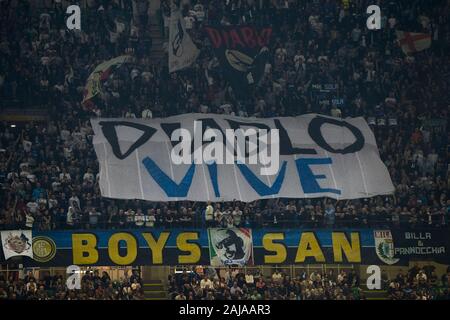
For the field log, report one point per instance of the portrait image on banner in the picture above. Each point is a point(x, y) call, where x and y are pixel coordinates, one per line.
point(231, 246)
point(182, 51)
point(17, 243)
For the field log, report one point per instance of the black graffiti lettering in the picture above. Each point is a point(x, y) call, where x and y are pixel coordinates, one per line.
point(110, 133)
point(169, 128)
point(210, 123)
point(207, 123)
point(316, 134)
point(235, 125)
point(286, 147)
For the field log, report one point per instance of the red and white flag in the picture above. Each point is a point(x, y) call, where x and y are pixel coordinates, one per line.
point(411, 42)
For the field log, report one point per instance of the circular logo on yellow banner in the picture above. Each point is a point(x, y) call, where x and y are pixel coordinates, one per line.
point(44, 249)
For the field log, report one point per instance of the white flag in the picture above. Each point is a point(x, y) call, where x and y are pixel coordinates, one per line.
point(182, 51)
point(17, 243)
point(411, 42)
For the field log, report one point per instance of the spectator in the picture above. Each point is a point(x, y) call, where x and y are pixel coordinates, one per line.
point(93, 218)
point(206, 283)
point(209, 215)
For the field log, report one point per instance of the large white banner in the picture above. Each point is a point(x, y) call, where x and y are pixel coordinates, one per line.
point(17, 243)
point(182, 51)
point(318, 156)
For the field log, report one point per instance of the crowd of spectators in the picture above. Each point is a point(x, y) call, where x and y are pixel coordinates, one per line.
point(207, 284)
point(49, 171)
point(420, 284)
point(94, 286)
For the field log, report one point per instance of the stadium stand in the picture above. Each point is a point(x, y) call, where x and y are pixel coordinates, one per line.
point(49, 170)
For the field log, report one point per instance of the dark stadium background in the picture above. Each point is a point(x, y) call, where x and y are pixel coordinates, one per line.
point(323, 60)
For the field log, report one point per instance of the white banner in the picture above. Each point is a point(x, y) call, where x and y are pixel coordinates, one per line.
point(17, 243)
point(412, 42)
point(319, 156)
point(182, 51)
